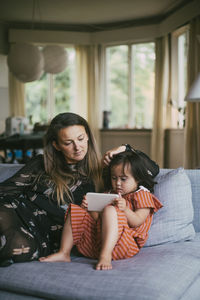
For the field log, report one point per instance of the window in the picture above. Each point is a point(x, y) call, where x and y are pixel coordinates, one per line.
point(51, 94)
point(179, 74)
point(130, 85)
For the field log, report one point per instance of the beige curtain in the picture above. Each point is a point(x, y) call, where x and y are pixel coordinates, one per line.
point(89, 87)
point(162, 110)
point(192, 130)
point(82, 81)
point(16, 96)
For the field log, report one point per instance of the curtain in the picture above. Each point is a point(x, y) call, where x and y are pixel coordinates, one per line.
point(162, 110)
point(16, 96)
point(95, 89)
point(89, 72)
point(192, 130)
point(82, 81)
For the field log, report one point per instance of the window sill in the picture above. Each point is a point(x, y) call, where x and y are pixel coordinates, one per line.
point(125, 129)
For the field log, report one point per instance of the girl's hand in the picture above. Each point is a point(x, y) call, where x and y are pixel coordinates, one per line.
point(120, 203)
point(109, 154)
point(84, 203)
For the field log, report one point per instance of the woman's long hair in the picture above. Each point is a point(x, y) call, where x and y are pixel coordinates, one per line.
point(56, 167)
point(137, 167)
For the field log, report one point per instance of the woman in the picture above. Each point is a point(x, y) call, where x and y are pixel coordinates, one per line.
point(33, 202)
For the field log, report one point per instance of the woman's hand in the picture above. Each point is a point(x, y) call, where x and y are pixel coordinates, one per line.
point(120, 202)
point(84, 203)
point(109, 154)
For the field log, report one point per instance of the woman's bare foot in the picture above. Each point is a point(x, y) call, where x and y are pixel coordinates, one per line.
point(59, 256)
point(104, 263)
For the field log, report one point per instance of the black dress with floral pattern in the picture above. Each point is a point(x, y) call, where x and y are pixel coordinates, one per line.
point(31, 221)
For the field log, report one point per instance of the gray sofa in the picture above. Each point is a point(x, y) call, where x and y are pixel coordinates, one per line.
point(167, 268)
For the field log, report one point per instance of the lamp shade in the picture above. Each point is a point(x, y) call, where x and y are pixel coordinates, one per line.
point(25, 61)
point(55, 59)
point(194, 92)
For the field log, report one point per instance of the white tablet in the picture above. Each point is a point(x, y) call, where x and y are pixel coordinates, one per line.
point(97, 201)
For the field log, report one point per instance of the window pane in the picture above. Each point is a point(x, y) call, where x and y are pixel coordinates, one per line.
point(143, 84)
point(36, 99)
point(117, 85)
point(182, 68)
point(64, 85)
point(130, 85)
point(182, 77)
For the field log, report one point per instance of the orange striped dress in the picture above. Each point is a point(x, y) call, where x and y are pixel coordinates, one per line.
point(87, 232)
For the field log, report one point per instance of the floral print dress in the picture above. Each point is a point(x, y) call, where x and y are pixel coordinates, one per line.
point(31, 221)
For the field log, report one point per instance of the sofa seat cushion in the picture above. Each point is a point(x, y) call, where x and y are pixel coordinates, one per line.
point(161, 272)
point(173, 222)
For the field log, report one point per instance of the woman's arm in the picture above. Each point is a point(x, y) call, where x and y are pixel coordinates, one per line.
point(110, 153)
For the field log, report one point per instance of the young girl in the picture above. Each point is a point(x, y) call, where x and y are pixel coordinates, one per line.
point(121, 229)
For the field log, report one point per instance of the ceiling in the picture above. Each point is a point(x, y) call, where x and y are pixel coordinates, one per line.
point(85, 15)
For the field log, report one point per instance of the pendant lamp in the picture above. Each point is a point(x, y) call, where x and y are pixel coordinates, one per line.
point(25, 61)
point(55, 59)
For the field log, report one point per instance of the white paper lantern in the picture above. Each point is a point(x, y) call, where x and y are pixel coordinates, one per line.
point(55, 59)
point(25, 61)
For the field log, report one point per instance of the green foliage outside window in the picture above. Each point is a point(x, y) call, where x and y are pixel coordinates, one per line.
point(142, 85)
point(36, 100)
point(117, 85)
point(39, 96)
point(144, 60)
point(62, 84)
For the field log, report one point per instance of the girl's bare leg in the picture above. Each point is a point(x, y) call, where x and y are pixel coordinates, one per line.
point(66, 245)
point(109, 238)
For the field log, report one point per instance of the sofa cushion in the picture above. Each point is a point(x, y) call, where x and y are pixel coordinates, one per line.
point(7, 170)
point(163, 272)
point(194, 176)
point(173, 222)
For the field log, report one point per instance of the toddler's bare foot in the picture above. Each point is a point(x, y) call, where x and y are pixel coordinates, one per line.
point(104, 263)
point(59, 256)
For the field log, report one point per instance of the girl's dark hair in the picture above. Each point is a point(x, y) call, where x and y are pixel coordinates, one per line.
point(138, 168)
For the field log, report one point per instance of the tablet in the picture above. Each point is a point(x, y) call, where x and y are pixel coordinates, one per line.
point(97, 201)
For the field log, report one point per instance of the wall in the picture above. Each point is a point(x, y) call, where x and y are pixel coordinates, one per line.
point(130, 34)
point(174, 142)
point(4, 98)
point(3, 39)
point(141, 139)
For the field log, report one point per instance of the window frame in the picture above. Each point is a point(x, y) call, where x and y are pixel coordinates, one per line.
point(131, 98)
point(178, 77)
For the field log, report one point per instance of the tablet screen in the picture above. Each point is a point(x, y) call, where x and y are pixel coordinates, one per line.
point(97, 201)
